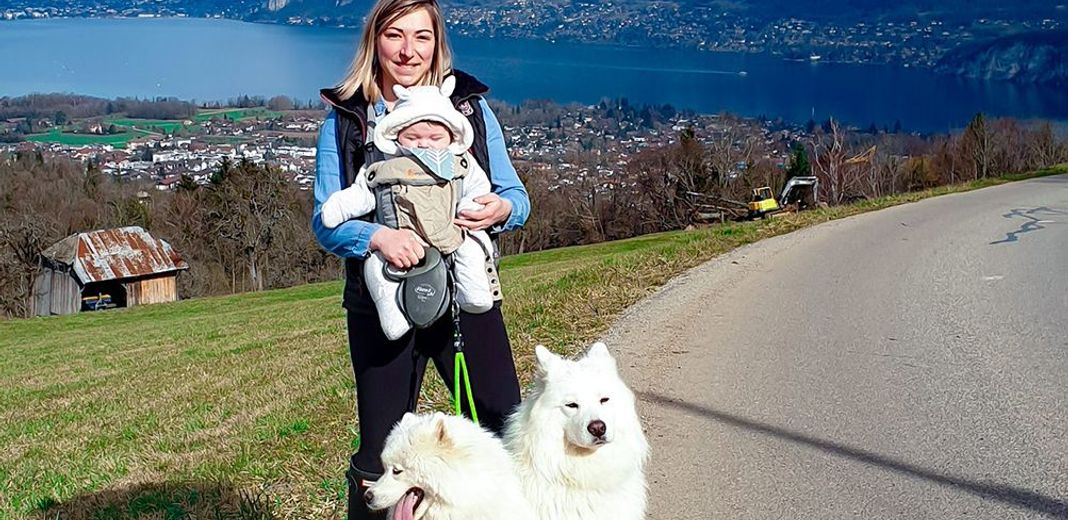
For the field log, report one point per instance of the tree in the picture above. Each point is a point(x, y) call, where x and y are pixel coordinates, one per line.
point(60, 118)
point(186, 184)
point(220, 173)
point(978, 140)
point(247, 207)
point(279, 103)
point(829, 161)
point(731, 152)
point(1044, 147)
point(799, 165)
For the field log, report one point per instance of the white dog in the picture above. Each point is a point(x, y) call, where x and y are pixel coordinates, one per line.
point(578, 442)
point(443, 467)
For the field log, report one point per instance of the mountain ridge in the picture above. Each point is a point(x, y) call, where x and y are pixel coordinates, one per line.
point(1025, 58)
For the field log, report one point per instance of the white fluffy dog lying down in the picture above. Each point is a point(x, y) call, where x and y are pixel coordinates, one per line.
point(443, 467)
point(577, 441)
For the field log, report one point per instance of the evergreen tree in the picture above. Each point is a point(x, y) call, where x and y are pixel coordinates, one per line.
point(186, 184)
point(799, 166)
point(220, 174)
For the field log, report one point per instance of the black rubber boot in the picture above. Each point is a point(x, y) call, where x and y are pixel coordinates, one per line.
point(358, 482)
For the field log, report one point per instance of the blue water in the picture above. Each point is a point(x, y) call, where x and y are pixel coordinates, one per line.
point(211, 60)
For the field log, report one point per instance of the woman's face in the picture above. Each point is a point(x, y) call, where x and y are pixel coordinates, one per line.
point(406, 50)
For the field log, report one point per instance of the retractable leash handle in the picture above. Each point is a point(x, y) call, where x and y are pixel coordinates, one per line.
point(459, 364)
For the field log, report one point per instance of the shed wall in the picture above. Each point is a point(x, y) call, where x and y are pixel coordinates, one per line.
point(66, 295)
point(148, 291)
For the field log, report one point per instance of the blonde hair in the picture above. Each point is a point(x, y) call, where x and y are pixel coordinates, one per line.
point(365, 69)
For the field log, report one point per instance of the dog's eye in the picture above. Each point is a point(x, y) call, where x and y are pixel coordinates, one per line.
point(571, 405)
point(604, 400)
point(397, 471)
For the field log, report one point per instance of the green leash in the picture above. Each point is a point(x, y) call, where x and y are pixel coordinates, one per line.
point(459, 364)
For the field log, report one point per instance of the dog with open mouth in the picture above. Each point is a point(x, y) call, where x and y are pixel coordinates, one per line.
point(444, 467)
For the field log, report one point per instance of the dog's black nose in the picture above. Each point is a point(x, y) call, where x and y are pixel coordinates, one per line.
point(597, 428)
point(368, 496)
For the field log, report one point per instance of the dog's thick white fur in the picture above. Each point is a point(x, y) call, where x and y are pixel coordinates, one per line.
point(443, 467)
point(578, 441)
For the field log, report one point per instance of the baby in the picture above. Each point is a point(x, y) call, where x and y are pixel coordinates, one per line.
point(428, 141)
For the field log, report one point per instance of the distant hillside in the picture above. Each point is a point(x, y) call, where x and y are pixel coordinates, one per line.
point(840, 10)
point(851, 11)
point(1025, 58)
point(349, 12)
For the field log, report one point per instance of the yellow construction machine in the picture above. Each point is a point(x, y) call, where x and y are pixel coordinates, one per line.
point(799, 193)
point(763, 203)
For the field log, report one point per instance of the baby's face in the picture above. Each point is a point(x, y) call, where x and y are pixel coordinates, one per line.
point(425, 134)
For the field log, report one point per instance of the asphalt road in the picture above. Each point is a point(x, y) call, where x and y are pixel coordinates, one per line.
point(906, 363)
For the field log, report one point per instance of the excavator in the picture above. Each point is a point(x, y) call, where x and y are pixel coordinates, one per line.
point(798, 193)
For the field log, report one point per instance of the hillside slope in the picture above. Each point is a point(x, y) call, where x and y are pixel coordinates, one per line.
point(1025, 58)
point(241, 406)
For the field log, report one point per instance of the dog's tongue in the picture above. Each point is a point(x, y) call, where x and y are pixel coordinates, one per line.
point(405, 510)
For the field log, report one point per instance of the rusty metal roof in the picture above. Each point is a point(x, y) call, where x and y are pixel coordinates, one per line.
point(111, 254)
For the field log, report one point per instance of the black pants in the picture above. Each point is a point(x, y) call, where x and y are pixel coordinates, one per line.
point(389, 373)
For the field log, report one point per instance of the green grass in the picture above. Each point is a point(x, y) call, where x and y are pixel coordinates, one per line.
point(55, 136)
point(241, 406)
point(142, 127)
point(236, 114)
point(156, 125)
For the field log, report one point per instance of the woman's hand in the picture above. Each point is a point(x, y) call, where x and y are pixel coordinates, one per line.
point(400, 247)
point(495, 209)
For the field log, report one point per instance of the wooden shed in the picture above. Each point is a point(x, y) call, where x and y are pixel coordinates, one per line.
point(108, 268)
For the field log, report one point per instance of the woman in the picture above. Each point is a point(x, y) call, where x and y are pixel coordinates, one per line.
point(404, 43)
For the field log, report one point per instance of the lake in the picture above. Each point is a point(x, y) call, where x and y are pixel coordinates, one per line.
point(208, 60)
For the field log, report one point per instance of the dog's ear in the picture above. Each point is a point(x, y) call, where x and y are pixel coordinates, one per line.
point(406, 419)
point(599, 355)
point(546, 360)
point(441, 430)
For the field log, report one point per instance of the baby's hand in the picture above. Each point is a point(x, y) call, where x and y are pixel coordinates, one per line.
point(468, 205)
point(496, 210)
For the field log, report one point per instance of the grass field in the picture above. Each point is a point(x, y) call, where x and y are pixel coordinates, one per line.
point(156, 125)
point(241, 406)
point(55, 136)
point(236, 114)
point(141, 127)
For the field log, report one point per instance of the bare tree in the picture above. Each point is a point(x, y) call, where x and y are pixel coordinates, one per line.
point(828, 161)
point(248, 206)
point(1044, 147)
point(978, 140)
point(731, 152)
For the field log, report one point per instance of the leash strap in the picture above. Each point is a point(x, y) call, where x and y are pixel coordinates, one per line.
point(459, 361)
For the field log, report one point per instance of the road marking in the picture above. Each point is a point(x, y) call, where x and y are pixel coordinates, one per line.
point(992, 278)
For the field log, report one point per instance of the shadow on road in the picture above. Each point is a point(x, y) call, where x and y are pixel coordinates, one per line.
point(1000, 492)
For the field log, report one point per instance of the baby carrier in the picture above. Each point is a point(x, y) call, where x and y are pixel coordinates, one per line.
point(408, 196)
